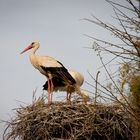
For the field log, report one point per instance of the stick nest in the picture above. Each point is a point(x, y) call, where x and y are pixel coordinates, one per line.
point(39, 121)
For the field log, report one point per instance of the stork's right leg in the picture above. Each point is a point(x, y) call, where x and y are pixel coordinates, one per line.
point(51, 89)
point(69, 98)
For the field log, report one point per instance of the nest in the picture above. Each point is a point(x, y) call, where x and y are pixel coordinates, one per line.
point(60, 121)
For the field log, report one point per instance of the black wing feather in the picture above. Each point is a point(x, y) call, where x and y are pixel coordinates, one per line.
point(60, 72)
point(57, 82)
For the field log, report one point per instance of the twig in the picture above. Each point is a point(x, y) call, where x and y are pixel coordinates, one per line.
point(96, 88)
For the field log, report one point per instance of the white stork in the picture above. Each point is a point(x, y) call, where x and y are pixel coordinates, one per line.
point(59, 85)
point(49, 67)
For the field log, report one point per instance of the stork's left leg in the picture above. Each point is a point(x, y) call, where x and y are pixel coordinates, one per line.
point(49, 92)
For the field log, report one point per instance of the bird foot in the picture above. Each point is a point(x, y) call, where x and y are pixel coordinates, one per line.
point(49, 103)
point(68, 101)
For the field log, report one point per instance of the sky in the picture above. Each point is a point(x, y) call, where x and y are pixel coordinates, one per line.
point(59, 27)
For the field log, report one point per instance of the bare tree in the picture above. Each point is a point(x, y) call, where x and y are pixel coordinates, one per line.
point(127, 53)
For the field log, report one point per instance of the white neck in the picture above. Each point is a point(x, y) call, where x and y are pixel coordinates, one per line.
point(34, 49)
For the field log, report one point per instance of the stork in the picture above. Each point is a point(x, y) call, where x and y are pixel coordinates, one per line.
point(60, 86)
point(49, 67)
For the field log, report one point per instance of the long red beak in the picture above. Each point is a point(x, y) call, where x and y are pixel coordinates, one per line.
point(26, 49)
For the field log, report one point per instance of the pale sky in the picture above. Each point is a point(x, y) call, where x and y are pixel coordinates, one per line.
point(57, 25)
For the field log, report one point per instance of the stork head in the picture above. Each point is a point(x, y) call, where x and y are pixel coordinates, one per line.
point(33, 45)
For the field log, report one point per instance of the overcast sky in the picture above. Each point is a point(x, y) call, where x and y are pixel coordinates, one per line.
point(57, 25)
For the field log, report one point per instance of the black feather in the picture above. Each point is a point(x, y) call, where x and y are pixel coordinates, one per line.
point(59, 72)
point(57, 82)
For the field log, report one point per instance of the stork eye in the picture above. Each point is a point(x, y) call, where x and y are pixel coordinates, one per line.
point(33, 43)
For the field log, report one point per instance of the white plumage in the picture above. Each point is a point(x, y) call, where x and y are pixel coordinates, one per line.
point(49, 67)
point(60, 86)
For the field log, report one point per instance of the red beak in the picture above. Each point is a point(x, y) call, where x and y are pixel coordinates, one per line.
point(26, 49)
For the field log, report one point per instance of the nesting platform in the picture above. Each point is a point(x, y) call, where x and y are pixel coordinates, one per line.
point(62, 121)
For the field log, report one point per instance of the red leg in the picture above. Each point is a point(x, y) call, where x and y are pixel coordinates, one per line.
point(49, 91)
point(51, 83)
